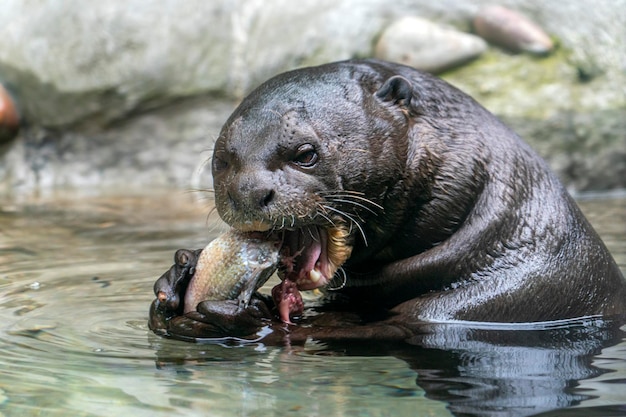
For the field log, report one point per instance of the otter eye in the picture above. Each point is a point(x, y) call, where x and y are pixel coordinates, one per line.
point(306, 156)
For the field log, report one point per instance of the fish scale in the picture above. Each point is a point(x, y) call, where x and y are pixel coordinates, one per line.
point(232, 266)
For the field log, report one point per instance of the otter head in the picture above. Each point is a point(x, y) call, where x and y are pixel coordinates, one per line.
point(301, 158)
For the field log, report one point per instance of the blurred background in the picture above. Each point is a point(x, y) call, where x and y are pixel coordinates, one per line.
point(132, 93)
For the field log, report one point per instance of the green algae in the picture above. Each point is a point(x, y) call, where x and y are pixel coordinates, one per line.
point(521, 85)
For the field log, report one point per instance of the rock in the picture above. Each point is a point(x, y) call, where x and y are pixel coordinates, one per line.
point(72, 64)
point(512, 31)
point(130, 93)
point(427, 46)
point(9, 118)
point(166, 147)
point(577, 127)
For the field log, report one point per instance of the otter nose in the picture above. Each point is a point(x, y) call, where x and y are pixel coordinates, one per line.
point(251, 195)
point(265, 197)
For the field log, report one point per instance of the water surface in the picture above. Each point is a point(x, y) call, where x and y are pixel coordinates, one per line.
point(76, 275)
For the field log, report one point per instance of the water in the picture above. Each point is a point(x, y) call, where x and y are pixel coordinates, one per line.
point(76, 275)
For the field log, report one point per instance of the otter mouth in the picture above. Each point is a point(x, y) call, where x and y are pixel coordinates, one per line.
point(309, 258)
point(311, 255)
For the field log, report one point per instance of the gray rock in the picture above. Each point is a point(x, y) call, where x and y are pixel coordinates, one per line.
point(131, 92)
point(72, 64)
point(426, 45)
point(168, 147)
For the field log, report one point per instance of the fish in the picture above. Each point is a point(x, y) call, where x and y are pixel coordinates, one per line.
point(232, 267)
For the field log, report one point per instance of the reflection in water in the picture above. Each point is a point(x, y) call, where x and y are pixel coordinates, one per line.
point(75, 286)
point(475, 369)
point(522, 371)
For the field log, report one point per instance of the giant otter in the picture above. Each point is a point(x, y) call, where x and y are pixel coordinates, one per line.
point(405, 195)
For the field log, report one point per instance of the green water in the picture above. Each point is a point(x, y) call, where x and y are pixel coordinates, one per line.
point(76, 275)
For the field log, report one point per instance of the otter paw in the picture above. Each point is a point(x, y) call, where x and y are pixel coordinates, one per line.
point(231, 318)
point(171, 286)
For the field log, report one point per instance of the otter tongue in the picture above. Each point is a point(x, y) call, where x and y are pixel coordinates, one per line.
point(305, 249)
point(312, 251)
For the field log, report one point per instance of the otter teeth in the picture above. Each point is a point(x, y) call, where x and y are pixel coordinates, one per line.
point(315, 275)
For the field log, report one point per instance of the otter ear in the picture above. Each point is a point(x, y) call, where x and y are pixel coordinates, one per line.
point(397, 90)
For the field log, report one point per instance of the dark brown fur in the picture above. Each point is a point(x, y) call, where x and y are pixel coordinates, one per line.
point(463, 221)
